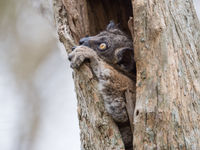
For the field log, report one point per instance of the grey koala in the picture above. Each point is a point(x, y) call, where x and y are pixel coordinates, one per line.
point(114, 47)
point(111, 58)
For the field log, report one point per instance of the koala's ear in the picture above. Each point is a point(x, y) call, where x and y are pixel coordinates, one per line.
point(111, 26)
point(125, 58)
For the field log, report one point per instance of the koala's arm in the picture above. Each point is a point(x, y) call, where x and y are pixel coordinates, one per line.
point(112, 84)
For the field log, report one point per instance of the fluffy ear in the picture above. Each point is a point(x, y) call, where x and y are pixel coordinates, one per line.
point(111, 25)
point(125, 58)
point(114, 28)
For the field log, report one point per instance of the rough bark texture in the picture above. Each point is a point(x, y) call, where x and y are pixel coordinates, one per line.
point(167, 50)
point(97, 129)
point(167, 53)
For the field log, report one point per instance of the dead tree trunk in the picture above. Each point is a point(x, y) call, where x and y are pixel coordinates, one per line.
point(166, 39)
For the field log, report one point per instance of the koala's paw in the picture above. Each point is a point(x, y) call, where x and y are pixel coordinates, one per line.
point(76, 59)
point(79, 55)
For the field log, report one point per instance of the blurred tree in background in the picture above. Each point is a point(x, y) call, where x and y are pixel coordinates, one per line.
point(36, 88)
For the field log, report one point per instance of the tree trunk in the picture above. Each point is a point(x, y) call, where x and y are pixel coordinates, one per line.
point(97, 130)
point(167, 53)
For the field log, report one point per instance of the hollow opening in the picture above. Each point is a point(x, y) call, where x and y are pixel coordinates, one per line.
point(100, 12)
point(137, 112)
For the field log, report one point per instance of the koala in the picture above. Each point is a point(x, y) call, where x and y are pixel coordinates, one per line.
point(114, 47)
point(111, 58)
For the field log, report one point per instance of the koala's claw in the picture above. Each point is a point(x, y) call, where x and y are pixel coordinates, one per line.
point(74, 47)
point(73, 66)
point(80, 54)
point(76, 59)
point(70, 57)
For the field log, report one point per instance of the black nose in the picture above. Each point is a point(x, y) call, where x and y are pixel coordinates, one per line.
point(84, 41)
point(73, 47)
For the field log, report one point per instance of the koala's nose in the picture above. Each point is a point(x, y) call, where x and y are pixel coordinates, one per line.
point(84, 41)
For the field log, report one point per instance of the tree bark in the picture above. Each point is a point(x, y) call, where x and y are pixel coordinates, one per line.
point(167, 53)
point(97, 129)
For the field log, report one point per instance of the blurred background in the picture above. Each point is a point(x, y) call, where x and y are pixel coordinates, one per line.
point(37, 98)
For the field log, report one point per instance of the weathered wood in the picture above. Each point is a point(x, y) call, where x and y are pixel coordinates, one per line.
point(130, 105)
point(166, 42)
point(97, 129)
point(166, 37)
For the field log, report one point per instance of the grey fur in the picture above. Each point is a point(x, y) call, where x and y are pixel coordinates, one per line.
point(115, 40)
point(113, 67)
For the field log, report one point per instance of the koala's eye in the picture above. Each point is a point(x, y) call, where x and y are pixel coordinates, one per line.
point(102, 46)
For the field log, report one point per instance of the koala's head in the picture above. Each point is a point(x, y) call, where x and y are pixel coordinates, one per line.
point(113, 46)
